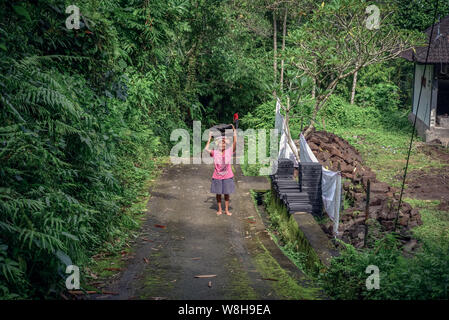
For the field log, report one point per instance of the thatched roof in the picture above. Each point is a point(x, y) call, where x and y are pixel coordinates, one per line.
point(439, 48)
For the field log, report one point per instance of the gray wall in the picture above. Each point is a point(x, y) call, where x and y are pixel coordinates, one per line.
point(425, 102)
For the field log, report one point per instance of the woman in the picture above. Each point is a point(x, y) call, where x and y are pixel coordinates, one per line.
point(223, 177)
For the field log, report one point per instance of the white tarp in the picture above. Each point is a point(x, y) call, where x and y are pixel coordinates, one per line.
point(285, 151)
point(279, 119)
point(306, 154)
point(331, 193)
point(284, 148)
point(331, 184)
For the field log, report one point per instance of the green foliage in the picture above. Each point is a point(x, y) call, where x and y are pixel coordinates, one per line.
point(382, 96)
point(346, 277)
point(65, 174)
point(374, 110)
point(335, 43)
point(85, 114)
point(419, 14)
point(262, 116)
point(340, 113)
point(435, 221)
point(422, 277)
point(79, 137)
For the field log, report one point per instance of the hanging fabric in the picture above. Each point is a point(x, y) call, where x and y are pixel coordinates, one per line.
point(279, 119)
point(284, 148)
point(330, 184)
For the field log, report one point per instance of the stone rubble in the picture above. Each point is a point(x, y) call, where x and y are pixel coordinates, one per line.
point(335, 154)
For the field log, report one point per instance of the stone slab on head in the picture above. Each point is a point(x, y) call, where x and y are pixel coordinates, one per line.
point(222, 128)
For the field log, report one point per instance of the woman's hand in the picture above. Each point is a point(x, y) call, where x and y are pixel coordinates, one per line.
point(234, 144)
point(208, 142)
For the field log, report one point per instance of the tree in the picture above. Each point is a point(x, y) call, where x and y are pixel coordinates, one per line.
point(287, 9)
point(338, 40)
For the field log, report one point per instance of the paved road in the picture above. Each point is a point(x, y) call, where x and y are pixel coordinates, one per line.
point(195, 241)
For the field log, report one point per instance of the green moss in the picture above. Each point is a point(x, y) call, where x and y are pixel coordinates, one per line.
point(285, 286)
point(100, 266)
point(156, 279)
point(286, 225)
point(155, 284)
point(289, 249)
point(240, 285)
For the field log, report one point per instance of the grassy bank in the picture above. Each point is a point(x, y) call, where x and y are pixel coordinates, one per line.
point(111, 257)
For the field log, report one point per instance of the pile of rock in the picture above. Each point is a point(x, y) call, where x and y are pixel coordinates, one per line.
point(336, 154)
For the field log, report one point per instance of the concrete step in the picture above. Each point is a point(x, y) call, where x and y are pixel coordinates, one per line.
point(440, 133)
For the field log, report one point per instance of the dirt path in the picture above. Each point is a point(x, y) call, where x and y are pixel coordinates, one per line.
point(429, 183)
point(195, 241)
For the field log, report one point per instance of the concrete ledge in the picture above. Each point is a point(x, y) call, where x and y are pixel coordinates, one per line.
point(317, 239)
point(303, 228)
point(254, 183)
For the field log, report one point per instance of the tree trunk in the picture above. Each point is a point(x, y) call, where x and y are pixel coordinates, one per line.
point(284, 31)
point(289, 138)
point(191, 77)
point(310, 128)
point(314, 88)
point(275, 51)
point(319, 104)
point(354, 84)
point(314, 82)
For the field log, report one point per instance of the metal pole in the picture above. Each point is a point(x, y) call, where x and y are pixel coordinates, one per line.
point(342, 198)
point(368, 191)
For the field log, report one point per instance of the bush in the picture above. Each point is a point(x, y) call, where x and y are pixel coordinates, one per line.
point(83, 114)
point(71, 161)
point(262, 117)
point(339, 113)
point(383, 96)
point(425, 276)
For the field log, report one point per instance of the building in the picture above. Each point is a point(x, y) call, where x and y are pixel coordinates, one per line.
point(433, 113)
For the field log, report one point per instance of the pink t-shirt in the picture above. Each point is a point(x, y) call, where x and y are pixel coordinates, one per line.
point(222, 162)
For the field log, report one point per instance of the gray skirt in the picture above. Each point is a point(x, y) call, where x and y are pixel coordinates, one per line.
point(222, 186)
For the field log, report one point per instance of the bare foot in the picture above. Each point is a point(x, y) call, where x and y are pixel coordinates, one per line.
point(228, 213)
point(219, 213)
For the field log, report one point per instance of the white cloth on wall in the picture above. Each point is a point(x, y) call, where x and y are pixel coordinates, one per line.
point(330, 184)
point(331, 193)
point(306, 154)
point(279, 119)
